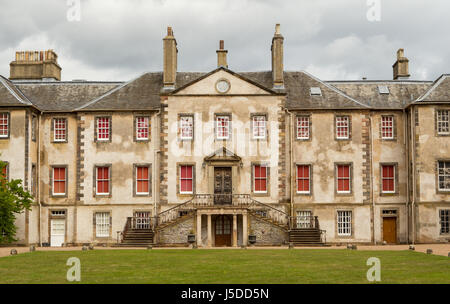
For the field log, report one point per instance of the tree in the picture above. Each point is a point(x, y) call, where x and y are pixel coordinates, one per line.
point(13, 200)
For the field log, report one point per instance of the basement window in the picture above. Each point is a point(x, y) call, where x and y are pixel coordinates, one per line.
point(315, 91)
point(382, 89)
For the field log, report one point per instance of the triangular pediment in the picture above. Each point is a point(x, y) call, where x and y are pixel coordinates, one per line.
point(224, 82)
point(222, 154)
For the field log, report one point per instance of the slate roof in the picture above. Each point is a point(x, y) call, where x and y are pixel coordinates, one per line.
point(438, 92)
point(143, 92)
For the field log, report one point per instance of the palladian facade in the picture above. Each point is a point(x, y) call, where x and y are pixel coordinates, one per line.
point(226, 158)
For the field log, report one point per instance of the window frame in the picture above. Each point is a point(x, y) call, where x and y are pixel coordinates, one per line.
point(342, 229)
point(438, 122)
point(97, 180)
point(138, 128)
point(350, 178)
point(228, 127)
point(394, 179)
point(256, 126)
point(55, 120)
point(266, 178)
point(107, 221)
point(297, 178)
point(337, 128)
point(180, 179)
point(383, 127)
point(53, 168)
point(136, 180)
point(97, 129)
point(445, 175)
point(297, 127)
point(181, 128)
point(441, 228)
point(8, 125)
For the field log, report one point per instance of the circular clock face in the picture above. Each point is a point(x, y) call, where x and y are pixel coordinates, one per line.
point(223, 86)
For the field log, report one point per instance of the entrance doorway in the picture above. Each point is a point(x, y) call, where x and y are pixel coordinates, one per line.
point(222, 185)
point(57, 232)
point(223, 230)
point(390, 230)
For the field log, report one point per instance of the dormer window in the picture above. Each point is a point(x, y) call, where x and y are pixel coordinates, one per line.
point(315, 91)
point(383, 89)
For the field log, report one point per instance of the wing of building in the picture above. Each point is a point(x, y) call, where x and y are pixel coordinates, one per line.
point(226, 158)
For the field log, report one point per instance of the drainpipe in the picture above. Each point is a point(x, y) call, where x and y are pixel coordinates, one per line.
point(156, 164)
point(291, 170)
point(371, 178)
point(413, 149)
point(38, 182)
point(405, 142)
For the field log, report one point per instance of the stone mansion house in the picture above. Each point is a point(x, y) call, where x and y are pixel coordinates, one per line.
point(226, 158)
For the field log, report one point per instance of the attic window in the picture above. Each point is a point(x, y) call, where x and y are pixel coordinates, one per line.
point(315, 91)
point(383, 89)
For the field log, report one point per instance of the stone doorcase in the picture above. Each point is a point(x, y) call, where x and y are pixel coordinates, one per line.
point(205, 219)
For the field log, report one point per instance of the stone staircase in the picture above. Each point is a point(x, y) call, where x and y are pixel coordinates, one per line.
point(306, 237)
point(137, 238)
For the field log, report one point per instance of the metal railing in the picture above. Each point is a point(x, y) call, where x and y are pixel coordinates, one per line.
point(304, 221)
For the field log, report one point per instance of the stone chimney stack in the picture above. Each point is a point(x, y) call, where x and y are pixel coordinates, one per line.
point(221, 55)
point(401, 66)
point(277, 59)
point(35, 65)
point(170, 60)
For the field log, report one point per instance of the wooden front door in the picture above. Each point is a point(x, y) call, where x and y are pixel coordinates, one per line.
point(390, 230)
point(222, 185)
point(223, 230)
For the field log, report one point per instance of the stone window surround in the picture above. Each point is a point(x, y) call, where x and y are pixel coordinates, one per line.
point(439, 219)
point(349, 127)
point(185, 195)
point(135, 117)
point(266, 135)
point(9, 124)
point(267, 165)
point(135, 166)
point(50, 186)
point(436, 168)
point(396, 180)
point(309, 115)
point(94, 222)
point(436, 110)
point(94, 184)
point(193, 126)
point(394, 127)
point(52, 130)
point(230, 126)
point(338, 236)
point(110, 128)
point(310, 193)
point(336, 193)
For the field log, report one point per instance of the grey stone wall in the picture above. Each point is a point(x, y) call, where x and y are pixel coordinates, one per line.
point(177, 233)
point(266, 233)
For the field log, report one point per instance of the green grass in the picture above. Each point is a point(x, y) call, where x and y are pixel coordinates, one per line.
point(225, 266)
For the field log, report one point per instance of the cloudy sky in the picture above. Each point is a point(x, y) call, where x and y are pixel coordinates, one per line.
point(120, 39)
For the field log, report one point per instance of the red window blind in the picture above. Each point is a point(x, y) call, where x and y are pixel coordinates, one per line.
point(4, 124)
point(303, 178)
point(103, 126)
point(343, 178)
point(142, 180)
point(142, 128)
point(388, 180)
point(303, 127)
point(59, 181)
point(260, 178)
point(103, 180)
point(223, 127)
point(60, 128)
point(186, 179)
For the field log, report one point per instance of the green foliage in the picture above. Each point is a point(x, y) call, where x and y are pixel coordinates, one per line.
point(13, 200)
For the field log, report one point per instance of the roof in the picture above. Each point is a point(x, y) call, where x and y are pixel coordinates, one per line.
point(438, 92)
point(10, 95)
point(143, 92)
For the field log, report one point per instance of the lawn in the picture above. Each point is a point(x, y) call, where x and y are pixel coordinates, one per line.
point(225, 266)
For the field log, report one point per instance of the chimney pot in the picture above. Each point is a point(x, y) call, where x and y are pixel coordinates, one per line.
point(277, 59)
point(34, 65)
point(221, 45)
point(169, 60)
point(401, 66)
point(222, 55)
